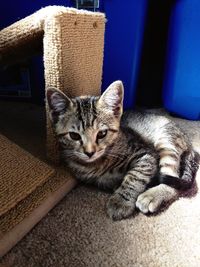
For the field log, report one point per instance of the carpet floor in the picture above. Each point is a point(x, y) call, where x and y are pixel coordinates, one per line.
point(78, 233)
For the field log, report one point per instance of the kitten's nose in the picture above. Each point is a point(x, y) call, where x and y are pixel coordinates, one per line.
point(89, 154)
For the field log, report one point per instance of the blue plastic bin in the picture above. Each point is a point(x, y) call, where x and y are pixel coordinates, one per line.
point(11, 11)
point(123, 42)
point(181, 92)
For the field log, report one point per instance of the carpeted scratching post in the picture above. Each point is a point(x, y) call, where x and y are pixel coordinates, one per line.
point(71, 42)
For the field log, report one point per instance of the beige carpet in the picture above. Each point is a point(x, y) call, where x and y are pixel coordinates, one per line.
point(78, 233)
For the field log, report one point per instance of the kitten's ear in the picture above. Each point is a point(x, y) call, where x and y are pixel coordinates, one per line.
point(112, 98)
point(57, 101)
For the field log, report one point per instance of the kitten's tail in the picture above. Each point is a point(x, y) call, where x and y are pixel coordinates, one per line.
point(189, 165)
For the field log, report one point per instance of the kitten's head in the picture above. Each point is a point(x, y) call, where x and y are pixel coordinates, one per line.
point(86, 126)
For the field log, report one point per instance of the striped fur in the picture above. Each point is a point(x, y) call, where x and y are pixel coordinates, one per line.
point(178, 163)
point(102, 150)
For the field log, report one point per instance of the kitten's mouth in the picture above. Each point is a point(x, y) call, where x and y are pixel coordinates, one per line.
point(96, 156)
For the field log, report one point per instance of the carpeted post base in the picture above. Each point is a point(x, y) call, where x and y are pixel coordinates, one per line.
point(29, 188)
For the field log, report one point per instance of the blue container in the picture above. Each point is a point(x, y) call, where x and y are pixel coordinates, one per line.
point(11, 11)
point(123, 42)
point(181, 92)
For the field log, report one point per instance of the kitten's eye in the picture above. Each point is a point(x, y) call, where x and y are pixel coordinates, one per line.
point(101, 134)
point(74, 136)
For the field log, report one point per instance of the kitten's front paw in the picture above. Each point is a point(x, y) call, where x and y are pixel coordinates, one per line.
point(147, 203)
point(151, 200)
point(118, 208)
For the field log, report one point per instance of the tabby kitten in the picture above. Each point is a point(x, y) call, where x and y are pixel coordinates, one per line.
point(123, 155)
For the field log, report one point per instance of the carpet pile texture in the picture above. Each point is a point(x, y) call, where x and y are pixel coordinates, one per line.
point(26, 183)
point(20, 172)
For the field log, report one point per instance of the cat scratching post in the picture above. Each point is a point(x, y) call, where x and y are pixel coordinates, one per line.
point(72, 48)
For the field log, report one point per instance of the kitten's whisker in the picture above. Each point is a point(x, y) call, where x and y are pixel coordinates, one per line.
point(68, 155)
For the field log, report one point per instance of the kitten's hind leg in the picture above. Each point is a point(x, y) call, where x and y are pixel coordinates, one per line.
point(169, 157)
point(170, 142)
point(188, 167)
point(152, 199)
